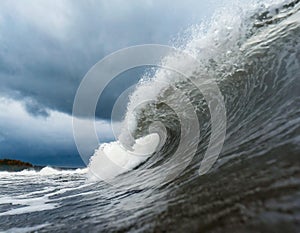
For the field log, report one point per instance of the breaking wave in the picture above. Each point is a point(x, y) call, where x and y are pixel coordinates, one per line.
point(254, 58)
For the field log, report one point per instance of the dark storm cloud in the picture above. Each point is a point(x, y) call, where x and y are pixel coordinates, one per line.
point(46, 47)
point(35, 108)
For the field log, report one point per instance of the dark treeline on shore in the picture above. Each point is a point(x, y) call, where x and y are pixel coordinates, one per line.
point(14, 165)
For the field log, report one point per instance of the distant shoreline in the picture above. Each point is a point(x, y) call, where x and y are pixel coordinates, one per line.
point(13, 165)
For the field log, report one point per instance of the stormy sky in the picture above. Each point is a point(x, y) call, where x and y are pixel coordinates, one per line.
point(46, 48)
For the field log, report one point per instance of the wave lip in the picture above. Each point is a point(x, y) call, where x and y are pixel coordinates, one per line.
point(176, 71)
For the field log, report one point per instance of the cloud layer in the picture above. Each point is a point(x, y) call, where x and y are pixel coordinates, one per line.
point(46, 47)
point(41, 140)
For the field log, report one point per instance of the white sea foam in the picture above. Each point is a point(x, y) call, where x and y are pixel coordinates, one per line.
point(46, 171)
point(28, 205)
point(26, 229)
point(35, 200)
point(111, 159)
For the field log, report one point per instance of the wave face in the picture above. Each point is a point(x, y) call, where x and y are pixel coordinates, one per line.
point(252, 51)
point(253, 56)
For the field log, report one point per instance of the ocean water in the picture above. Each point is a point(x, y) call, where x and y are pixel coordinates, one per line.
point(252, 51)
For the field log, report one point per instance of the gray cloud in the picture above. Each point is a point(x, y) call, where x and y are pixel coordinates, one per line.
point(35, 108)
point(41, 140)
point(46, 47)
